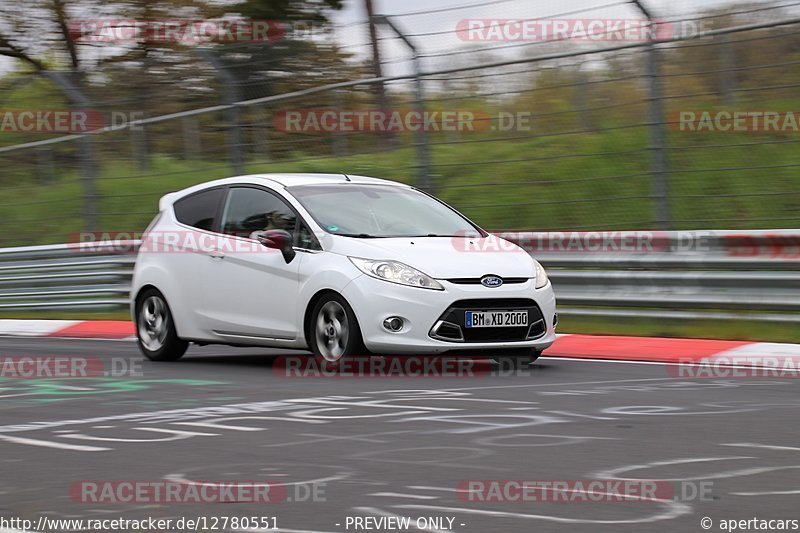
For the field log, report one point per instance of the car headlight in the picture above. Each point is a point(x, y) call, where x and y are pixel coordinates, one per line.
point(541, 276)
point(396, 272)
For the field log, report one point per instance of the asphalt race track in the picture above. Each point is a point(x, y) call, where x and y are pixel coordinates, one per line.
point(398, 446)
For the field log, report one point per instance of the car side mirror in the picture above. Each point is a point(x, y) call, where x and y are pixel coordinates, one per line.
point(278, 239)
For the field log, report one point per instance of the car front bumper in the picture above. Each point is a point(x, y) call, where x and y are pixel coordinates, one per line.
point(374, 300)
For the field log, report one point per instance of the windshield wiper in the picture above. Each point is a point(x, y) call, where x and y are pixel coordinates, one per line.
point(358, 235)
point(434, 235)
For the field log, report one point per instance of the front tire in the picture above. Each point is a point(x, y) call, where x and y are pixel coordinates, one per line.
point(333, 330)
point(155, 329)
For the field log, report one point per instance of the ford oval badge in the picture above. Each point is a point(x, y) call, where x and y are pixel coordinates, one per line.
point(491, 281)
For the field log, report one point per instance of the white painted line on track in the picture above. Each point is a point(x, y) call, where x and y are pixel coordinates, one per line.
point(763, 446)
point(439, 489)
point(768, 493)
point(48, 444)
point(556, 384)
point(400, 495)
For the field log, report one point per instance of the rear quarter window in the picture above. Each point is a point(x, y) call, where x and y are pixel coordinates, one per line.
point(199, 210)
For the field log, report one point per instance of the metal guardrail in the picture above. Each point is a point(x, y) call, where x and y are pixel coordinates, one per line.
point(690, 275)
point(65, 276)
point(724, 275)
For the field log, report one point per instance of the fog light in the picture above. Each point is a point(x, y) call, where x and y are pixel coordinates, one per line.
point(555, 320)
point(393, 324)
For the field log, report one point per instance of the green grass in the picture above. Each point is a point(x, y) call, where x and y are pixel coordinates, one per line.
point(553, 183)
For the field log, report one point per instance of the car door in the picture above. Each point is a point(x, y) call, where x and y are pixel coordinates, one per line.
point(250, 290)
point(175, 248)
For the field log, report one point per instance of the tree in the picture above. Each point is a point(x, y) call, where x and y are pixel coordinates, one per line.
point(41, 35)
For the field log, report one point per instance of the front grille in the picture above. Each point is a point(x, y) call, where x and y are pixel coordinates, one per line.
point(451, 326)
point(477, 281)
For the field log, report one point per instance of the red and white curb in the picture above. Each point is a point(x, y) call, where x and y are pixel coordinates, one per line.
point(603, 347)
point(781, 357)
point(79, 329)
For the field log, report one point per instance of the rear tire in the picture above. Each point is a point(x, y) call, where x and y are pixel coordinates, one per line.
point(333, 330)
point(155, 329)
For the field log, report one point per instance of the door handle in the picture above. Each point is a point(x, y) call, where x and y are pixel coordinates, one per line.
point(216, 254)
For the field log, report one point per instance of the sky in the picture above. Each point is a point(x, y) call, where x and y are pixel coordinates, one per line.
point(439, 27)
point(354, 9)
point(444, 22)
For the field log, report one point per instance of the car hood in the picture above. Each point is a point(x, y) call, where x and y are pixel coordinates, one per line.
point(442, 257)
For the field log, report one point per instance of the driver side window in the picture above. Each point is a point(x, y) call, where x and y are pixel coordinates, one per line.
point(249, 211)
point(306, 239)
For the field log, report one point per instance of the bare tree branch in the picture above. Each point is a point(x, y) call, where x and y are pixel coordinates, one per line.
point(9, 49)
point(60, 12)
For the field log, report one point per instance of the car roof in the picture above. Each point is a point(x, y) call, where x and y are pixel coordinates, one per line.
point(289, 180)
point(281, 180)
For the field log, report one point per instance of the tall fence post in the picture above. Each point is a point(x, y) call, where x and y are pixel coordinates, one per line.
point(339, 139)
point(138, 134)
point(259, 126)
point(658, 155)
point(424, 177)
point(139, 147)
point(583, 119)
point(77, 101)
point(659, 188)
point(728, 71)
point(387, 137)
point(191, 138)
point(230, 92)
point(44, 165)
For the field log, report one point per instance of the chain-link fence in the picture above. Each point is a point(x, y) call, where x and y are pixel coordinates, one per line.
point(692, 129)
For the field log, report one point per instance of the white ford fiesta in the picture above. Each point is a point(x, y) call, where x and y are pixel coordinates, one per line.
point(338, 265)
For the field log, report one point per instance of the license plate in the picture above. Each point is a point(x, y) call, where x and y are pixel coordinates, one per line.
point(496, 319)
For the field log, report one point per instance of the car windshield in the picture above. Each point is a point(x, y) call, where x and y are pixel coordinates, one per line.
point(372, 211)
